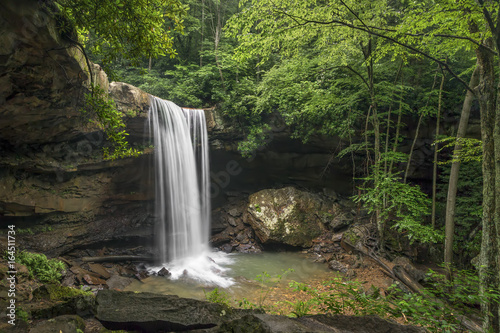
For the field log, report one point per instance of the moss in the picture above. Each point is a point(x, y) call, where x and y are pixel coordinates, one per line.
point(58, 292)
point(299, 232)
point(352, 237)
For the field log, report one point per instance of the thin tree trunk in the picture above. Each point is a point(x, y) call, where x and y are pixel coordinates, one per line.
point(396, 137)
point(218, 32)
point(388, 121)
point(368, 157)
point(455, 167)
point(149, 66)
point(436, 148)
point(407, 171)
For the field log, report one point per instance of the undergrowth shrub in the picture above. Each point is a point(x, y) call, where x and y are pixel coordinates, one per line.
point(45, 270)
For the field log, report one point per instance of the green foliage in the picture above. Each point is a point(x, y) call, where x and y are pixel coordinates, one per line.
point(255, 139)
point(129, 29)
point(402, 206)
point(217, 296)
point(344, 297)
point(470, 149)
point(21, 231)
point(45, 270)
point(266, 281)
point(102, 111)
point(439, 308)
point(302, 308)
point(22, 315)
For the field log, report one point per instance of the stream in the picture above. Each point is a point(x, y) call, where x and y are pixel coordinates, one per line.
point(245, 272)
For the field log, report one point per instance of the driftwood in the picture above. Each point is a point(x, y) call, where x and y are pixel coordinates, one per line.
point(117, 259)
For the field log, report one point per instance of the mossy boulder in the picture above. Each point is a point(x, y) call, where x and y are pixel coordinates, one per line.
point(289, 216)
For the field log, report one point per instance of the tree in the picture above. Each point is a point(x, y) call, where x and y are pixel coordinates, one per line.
point(129, 29)
point(427, 29)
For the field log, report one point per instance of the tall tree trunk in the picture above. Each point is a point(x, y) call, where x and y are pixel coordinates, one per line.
point(436, 148)
point(218, 32)
point(202, 30)
point(388, 122)
point(489, 270)
point(455, 167)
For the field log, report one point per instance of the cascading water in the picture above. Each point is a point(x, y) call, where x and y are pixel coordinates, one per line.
point(182, 204)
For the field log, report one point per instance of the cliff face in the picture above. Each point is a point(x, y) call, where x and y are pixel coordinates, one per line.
point(53, 181)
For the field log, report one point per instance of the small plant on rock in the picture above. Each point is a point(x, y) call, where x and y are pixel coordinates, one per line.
point(45, 270)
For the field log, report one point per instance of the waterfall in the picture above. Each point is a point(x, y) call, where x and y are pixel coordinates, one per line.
point(182, 203)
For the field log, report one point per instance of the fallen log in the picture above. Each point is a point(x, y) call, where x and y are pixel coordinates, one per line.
point(407, 280)
point(117, 258)
point(416, 287)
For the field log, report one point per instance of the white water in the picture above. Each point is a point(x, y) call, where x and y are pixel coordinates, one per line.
point(182, 204)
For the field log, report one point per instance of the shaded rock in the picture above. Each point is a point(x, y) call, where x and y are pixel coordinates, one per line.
point(355, 324)
point(232, 221)
point(341, 220)
point(93, 280)
point(337, 266)
point(101, 270)
point(235, 212)
point(265, 323)
point(148, 312)
point(66, 323)
point(81, 305)
point(118, 282)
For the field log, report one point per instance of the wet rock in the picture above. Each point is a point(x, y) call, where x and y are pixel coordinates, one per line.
point(142, 275)
point(164, 272)
point(118, 282)
point(66, 323)
point(248, 248)
point(228, 248)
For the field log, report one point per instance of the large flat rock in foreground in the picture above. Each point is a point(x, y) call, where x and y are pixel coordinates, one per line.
point(146, 312)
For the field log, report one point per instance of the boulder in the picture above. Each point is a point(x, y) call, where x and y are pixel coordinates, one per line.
point(289, 216)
